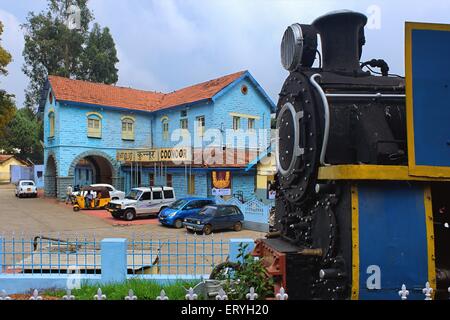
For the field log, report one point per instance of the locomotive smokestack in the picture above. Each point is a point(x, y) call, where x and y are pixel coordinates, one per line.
point(342, 34)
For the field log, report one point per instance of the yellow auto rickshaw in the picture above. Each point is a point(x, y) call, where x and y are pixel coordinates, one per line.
point(91, 198)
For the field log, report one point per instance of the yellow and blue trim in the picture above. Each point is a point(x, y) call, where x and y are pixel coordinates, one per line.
point(428, 203)
point(419, 63)
point(355, 243)
point(392, 229)
point(371, 172)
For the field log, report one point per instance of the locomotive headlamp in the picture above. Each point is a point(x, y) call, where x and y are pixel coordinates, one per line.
point(298, 47)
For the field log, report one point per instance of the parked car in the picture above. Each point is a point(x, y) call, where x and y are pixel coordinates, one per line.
point(216, 217)
point(142, 202)
point(181, 209)
point(26, 188)
point(113, 192)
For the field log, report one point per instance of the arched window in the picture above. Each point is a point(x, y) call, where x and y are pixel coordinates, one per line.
point(94, 125)
point(51, 122)
point(165, 128)
point(128, 128)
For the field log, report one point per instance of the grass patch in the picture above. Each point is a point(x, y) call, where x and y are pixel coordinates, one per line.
point(144, 290)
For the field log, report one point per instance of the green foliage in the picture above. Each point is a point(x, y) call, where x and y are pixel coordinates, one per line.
point(100, 57)
point(250, 273)
point(144, 290)
point(5, 56)
point(23, 132)
point(7, 107)
point(51, 48)
point(7, 111)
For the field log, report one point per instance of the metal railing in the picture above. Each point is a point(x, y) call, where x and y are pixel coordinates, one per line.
point(196, 255)
point(45, 255)
point(191, 255)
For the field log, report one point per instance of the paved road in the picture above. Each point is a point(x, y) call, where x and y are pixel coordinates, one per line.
point(49, 217)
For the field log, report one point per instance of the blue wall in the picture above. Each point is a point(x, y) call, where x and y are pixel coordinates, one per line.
point(234, 101)
point(71, 139)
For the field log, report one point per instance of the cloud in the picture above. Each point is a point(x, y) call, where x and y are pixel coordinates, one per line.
point(178, 43)
point(164, 45)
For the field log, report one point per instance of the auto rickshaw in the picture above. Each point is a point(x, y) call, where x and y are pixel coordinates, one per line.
point(99, 199)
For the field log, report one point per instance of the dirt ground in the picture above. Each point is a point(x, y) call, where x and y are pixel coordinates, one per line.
point(53, 218)
point(27, 218)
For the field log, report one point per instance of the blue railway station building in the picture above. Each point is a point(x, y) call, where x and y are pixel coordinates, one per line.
point(203, 140)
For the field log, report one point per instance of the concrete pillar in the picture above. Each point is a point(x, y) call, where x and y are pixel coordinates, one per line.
point(234, 248)
point(62, 183)
point(49, 186)
point(114, 260)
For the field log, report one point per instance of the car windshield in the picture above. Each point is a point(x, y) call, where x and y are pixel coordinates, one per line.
point(178, 204)
point(133, 195)
point(207, 211)
point(27, 183)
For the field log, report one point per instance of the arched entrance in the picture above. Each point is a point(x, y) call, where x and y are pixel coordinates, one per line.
point(93, 167)
point(50, 181)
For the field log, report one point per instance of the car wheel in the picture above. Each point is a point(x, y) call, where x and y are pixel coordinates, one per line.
point(178, 224)
point(237, 226)
point(207, 229)
point(129, 215)
point(115, 216)
point(76, 208)
point(20, 196)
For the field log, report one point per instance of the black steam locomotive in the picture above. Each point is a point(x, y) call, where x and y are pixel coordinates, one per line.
point(343, 175)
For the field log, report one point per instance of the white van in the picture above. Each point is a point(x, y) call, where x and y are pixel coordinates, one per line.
point(142, 202)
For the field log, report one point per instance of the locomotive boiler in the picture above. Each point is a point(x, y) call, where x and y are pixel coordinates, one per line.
point(363, 199)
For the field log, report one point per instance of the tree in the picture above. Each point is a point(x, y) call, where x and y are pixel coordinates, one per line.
point(23, 133)
point(7, 107)
point(100, 57)
point(51, 48)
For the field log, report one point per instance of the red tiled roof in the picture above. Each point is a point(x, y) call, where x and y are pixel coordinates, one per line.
point(112, 96)
point(5, 157)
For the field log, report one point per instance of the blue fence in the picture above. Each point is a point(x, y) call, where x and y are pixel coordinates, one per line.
point(43, 262)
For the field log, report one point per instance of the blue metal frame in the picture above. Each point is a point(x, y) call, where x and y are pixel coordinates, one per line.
point(393, 236)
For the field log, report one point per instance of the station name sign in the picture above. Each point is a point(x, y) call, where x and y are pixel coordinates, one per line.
point(154, 155)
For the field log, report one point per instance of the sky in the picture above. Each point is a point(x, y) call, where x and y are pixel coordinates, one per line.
point(164, 45)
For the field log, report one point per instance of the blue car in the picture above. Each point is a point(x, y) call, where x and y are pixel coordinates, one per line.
point(216, 217)
point(181, 209)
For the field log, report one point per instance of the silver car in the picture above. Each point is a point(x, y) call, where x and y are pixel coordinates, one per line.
point(142, 202)
point(26, 188)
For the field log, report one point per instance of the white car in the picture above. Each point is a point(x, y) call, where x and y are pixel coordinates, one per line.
point(113, 192)
point(142, 202)
point(26, 188)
